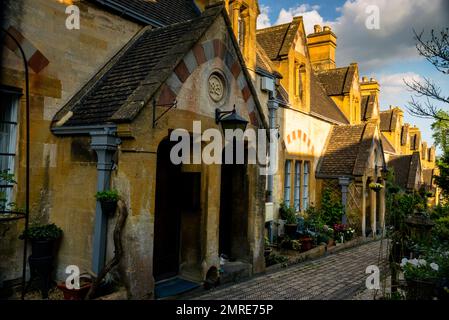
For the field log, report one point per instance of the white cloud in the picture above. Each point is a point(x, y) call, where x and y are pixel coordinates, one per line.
point(263, 20)
point(394, 41)
point(394, 83)
point(310, 15)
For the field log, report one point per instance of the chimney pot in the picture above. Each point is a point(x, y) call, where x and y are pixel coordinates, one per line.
point(372, 80)
point(364, 79)
point(317, 28)
point(327, 28)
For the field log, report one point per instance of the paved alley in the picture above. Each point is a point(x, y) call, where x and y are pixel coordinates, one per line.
point(335, 277)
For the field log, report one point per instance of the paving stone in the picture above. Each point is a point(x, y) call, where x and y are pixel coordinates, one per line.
point(335, 277)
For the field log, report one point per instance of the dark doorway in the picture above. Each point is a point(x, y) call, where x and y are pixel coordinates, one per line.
point(233, 231)
point(167, 221)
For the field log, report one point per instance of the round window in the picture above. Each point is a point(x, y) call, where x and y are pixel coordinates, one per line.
point(217, 87)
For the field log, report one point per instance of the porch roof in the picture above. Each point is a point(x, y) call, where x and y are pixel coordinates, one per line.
point(127, 82)
point(348, 151)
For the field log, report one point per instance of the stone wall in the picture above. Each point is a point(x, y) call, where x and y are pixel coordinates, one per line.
point(63, 175)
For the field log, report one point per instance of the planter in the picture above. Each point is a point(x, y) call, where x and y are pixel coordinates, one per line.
point(267, 252)
point(42, 248)
point(108, 206)
point(306, 244)
point(75, 294)
point(420, 289)
point(290, 230)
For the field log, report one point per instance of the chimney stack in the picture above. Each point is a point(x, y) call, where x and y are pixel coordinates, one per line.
point(322, 46)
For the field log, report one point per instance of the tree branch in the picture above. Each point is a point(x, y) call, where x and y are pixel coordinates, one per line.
point(119, 225)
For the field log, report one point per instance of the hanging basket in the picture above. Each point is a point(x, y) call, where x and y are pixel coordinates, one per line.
point(376, 186)
point(108, 207)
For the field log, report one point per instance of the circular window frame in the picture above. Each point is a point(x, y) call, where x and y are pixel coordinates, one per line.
point(218, 74)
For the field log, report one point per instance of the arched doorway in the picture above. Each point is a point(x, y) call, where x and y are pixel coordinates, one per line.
point(233, 230)
point(167, 221)
point(178, 218)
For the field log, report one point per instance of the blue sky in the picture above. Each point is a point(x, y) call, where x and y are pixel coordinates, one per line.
point(387, 54)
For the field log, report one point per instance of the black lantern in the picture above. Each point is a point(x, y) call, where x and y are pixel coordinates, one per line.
point(230, 120)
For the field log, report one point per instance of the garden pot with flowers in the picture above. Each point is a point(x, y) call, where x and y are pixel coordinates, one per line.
point(343, 233)
point(108, 201)
point(421, 277)
point(375, 186)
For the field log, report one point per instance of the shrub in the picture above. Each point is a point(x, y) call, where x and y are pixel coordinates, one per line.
point(42, 232)
point(287, 213)
point(331, 209)
point(274, 258)
point(109, 195)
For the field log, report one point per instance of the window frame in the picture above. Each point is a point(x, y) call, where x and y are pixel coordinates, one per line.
point(306, 185)
point(9, 153)
point(287, 181)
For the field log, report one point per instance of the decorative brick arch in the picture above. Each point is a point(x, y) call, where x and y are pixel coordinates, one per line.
point(36, 59)
point(297, 136)
point(198, 55)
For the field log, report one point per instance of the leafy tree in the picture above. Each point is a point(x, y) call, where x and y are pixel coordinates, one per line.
point(440, 130)
point(442, 179)
point(436, 51)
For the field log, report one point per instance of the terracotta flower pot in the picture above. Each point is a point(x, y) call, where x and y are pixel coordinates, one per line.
point(75, 294)
point(306, 244)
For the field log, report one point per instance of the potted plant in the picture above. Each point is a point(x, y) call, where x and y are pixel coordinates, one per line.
point(42, 238)
point(306, 243)
point(108, 201)
point(267, 248)
point(421, 277)
point(76, 294)
point(287, 213)
point(375, 186)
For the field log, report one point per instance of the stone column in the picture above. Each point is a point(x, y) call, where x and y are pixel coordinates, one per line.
point(364, 196)
point(344, 183)
point(382, 209)
point(105, 145)
point(373, 202)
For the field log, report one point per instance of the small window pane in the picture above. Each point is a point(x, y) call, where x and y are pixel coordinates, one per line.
point(8, 141)
point(287, 172)
point(305, 183)
point(297, 186)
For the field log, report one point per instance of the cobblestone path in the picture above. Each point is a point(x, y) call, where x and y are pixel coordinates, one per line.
point(337, 276)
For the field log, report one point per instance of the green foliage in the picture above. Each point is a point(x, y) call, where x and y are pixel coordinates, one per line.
point(420, 269)
point(7, 179)
point(440, 130)
point(109, 195)
point(42, 232)
point(287, 213)
point(274, 258)
point(331, 209)
point(442, 179)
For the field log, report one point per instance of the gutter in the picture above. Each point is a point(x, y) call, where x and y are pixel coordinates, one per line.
point(82, 130)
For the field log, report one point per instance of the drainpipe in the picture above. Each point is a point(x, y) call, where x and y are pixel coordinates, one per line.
point(273, 106)
point(104, 143)
point(344, 183)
